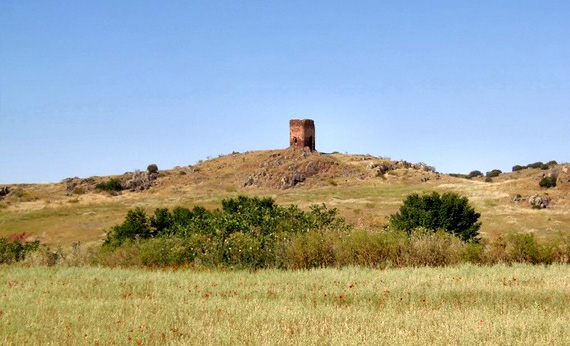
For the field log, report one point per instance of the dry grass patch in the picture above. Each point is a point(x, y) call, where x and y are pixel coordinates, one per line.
point(522, 305)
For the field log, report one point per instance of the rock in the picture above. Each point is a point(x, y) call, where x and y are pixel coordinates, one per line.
point(383, 168)
point(311, 169)
point(372, 165)
point(539, 201)
point(553, 173)
point(250, 181)
point(138, 181)
point(85, 185)
point(292, 179)
point(402, 164)
point(423, 167)
point(566, 169)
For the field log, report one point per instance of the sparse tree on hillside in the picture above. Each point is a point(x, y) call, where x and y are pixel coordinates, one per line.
point(450, 212)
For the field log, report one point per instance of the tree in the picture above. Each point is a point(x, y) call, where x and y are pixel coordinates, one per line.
point(136, 225)
point(450, 212)
point(152, 168)
point(475, 173)
point(494, 173)
point(547, 182)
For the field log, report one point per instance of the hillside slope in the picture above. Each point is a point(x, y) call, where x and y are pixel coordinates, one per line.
point(365, 189)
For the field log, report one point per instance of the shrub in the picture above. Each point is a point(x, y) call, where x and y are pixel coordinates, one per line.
point(246, 232)
point(449, 212)
point(547, 182)
point(488, 180)
point(78, 191)
point(136, 225)
point(537, 164)
point(518, 168)
point(494, 173)
point(15, 248)
point(113, 185)
point(475, 173)
point(372, 248)
point(428, 248)
point(524, 248)
point(552, 163)
point(152, 168)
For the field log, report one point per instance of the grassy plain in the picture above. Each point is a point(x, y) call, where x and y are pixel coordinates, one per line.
point(467, 305)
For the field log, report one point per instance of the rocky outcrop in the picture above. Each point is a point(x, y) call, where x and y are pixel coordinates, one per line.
point(292, 179)
point(138, 180)
point(539, 201)
point(383, 168)
point(4, 191)
point(73, 185)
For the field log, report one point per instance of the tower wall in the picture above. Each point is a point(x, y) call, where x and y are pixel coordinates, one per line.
point(302, 133)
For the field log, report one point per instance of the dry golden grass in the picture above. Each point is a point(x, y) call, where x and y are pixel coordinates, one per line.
point(465, 305)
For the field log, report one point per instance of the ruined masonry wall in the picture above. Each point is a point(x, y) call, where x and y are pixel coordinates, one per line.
point(302, 133)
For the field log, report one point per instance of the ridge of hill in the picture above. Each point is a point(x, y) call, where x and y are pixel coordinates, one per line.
point(366, 190)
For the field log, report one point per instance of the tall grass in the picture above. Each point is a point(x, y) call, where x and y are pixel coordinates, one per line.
point(467, 305)
point(314, 249)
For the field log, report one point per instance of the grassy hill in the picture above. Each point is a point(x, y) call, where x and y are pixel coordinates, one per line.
point(365, 189)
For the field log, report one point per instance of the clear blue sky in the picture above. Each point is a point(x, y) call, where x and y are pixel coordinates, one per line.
point(103, 87)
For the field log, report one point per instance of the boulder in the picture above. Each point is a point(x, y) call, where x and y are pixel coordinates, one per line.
point(311, 169)
point(539, 201)
point(292, 179)
point(138, 180)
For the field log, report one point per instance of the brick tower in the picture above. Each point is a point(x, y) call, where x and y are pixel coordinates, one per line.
point(302, 133)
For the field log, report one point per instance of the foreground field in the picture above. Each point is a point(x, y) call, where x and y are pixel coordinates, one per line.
point(469, 305)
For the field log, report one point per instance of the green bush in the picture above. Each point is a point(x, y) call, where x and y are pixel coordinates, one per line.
point(547, 182)
point(517, 168)
point(537, 164)
point(524, 248)
point(15, 248)
point(152, 168)
point(135, 226)
point(247, 231)
point(494, 173)
point(475, 173)
point(113, 185)
point(449, 212)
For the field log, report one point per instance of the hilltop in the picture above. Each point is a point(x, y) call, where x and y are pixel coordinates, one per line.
point(366, 189)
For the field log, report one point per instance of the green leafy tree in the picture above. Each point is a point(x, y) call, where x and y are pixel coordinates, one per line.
point(547, 182)
point(136, 225)
point(152, 168)
point(494, 173)
point(450, 212)
point(475, 173)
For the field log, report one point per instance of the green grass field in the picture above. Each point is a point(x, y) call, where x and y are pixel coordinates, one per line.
point(467, 305)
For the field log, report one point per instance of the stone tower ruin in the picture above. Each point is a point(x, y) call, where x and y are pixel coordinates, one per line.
point(302, 133)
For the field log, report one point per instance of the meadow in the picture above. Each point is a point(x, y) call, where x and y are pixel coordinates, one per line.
point(466, 304)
